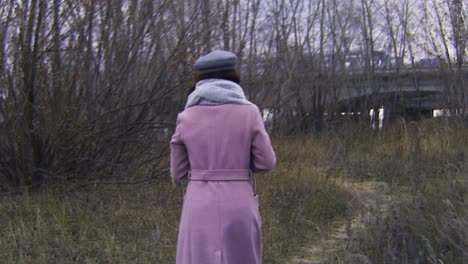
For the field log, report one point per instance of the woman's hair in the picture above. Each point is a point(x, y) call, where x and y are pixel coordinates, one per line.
point(230, 75)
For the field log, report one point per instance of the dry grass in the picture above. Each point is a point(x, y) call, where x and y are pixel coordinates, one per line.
point(426, 165)
point(297, 199)
point(95, 227)
point(140, 226)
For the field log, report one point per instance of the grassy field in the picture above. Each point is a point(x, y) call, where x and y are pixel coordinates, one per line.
point(298, 198)
point(426, 165)
point(140, 225)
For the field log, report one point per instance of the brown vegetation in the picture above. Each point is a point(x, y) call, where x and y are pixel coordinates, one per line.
point(299, 199)
point(140, 225)
point(89, 90)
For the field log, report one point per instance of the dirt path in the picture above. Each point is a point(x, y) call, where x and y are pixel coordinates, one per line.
point(374, 199)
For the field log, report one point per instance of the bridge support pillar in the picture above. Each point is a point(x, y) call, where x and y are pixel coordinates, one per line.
point(374, 115)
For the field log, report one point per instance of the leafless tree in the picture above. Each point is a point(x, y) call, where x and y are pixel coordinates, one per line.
point(89, 90)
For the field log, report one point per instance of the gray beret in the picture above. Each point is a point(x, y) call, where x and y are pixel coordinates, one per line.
point(218, 60)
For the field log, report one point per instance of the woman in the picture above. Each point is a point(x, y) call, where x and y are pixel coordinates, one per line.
point(219, 140)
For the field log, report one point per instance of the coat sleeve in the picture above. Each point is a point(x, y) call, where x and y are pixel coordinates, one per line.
point(179, 157)
point(262, 155)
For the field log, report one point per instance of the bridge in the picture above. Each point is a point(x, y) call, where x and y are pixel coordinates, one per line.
point(409, 93)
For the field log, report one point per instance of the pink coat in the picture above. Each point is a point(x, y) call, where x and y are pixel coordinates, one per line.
point(216, 147)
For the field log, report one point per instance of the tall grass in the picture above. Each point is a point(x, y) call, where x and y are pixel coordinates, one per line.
point(426, 166)
point(95, 227)
point(426, 161)
point(140, 225)
point(297, 199)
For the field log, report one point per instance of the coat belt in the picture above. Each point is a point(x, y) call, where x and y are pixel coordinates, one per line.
point(220, 175)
